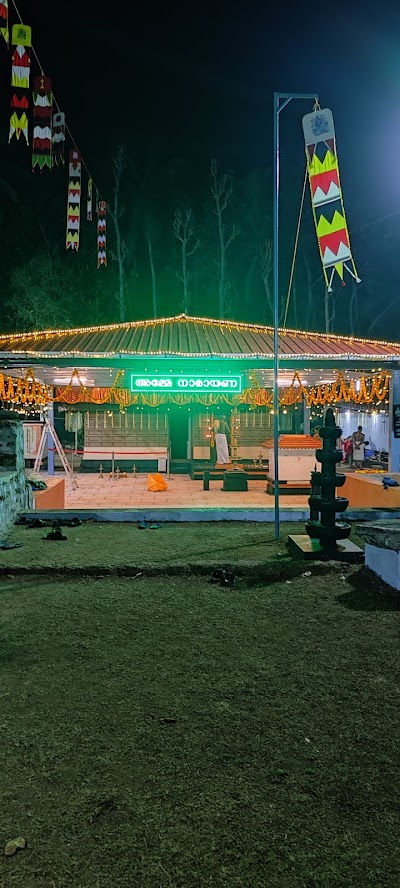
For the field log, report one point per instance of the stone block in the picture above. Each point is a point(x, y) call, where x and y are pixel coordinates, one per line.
point(385, 563)
point(304, 547)
point(11, 445)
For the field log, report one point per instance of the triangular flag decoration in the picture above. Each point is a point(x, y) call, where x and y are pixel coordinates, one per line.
point(74, 201)
point(326, 196)
point(58, 138)
point(21, 38)
point(101, 233)
point(42, 116)
point(4, 21)
point(89, 203)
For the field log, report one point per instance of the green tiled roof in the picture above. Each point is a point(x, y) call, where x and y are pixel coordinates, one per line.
point(199, 337)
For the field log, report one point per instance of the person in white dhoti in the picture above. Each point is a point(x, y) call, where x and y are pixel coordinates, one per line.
point(221, 435)
point(359, 442)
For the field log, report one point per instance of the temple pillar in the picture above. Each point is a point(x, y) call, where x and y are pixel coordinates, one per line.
point(394, 427)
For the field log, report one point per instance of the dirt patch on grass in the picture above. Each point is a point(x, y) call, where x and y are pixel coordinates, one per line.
point(245, 737)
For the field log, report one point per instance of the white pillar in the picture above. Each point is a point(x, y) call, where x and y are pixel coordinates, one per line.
point(394, 443)
point(306, 417)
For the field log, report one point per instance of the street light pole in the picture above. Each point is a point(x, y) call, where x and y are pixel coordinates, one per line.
point(280, 102)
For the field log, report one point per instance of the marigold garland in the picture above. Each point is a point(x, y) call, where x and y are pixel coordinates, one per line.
point(373, 390)
point(26, 392)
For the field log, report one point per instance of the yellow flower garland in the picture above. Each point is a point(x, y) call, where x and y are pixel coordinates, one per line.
point(371, 391)
point(26, 392)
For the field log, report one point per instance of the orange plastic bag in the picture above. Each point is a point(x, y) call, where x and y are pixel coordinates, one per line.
point(156, 483)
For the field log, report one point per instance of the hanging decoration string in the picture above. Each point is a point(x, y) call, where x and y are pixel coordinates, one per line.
point(296, 242)
point(54, 98)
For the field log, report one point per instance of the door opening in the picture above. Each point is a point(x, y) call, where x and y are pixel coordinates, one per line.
point(179, 434)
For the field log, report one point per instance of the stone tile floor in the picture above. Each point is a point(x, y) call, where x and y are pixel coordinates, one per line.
point(94, 492)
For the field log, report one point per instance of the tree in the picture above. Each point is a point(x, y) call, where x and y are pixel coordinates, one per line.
point(119, 163)
point(222, 190)
point(184, 233)
point(43, 294)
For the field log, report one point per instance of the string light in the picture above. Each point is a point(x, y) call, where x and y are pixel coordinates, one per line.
point(348, 344)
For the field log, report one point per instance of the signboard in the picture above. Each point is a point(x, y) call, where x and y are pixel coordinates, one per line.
point(181, 382)
point(396, 420)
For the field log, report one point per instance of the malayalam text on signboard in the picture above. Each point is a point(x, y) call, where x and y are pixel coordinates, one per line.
point(174, 382)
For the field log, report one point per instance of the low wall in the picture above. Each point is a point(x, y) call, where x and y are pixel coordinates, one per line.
point(15, 493)
point(15, 496)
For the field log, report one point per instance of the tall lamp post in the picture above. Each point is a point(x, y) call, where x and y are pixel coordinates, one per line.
point(280, 102)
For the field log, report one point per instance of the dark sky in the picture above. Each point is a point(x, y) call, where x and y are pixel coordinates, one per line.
point(195, 80)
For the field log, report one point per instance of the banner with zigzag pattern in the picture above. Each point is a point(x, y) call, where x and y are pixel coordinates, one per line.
point(326, 196)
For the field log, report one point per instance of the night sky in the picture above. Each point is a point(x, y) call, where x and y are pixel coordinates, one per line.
point(191, 81)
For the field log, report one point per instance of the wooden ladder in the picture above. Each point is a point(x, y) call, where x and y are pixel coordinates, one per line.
point(48, 429)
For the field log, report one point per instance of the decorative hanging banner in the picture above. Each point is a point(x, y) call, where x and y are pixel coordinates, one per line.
point(58, 138)
point(101, 233)
point(74, 201)
point(42, 118)
point(326, 196)
point(21, 38)
point(4, 21)
point(89, 201)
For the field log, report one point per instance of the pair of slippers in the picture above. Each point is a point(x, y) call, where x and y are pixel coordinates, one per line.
point(48, 522)
point(143, 526)
point(55, 535)
point(222, 577)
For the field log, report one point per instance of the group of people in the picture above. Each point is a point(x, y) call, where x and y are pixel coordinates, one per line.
point(353, 448)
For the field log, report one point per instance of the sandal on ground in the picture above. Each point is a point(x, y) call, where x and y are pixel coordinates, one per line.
point(55, 535)
point(217, 576)
point(228, 579)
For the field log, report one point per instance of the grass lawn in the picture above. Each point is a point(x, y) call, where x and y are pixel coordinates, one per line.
point(123, 545)
point(247, 737)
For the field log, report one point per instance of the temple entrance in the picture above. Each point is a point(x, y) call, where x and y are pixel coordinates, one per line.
point(179, 434)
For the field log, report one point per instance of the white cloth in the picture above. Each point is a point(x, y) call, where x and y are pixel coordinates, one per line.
point(358, 451)
point(73, 421)
point(222, 449)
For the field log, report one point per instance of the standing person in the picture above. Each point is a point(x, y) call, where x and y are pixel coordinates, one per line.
point(348, 450)
point(340, 446)
point(222, 435)
point(358, 442)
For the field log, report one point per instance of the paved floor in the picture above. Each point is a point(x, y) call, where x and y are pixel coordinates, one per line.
point(96, 493)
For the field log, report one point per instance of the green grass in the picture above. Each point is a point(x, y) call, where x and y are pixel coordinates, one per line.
point(281, 770)
point(123, 545)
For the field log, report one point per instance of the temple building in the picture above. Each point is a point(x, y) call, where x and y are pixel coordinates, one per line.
point(147, 393)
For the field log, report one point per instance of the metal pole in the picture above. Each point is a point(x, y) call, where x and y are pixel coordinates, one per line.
point(280, 102)
point(276, 310)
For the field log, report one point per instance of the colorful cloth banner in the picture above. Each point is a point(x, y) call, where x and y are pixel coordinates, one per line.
point(21, 38)
point(42, 117)
point(4, 21)
point(89, 201)
point(101, 233)
point(58, 138)
point(326, 196)
point(74, 201)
